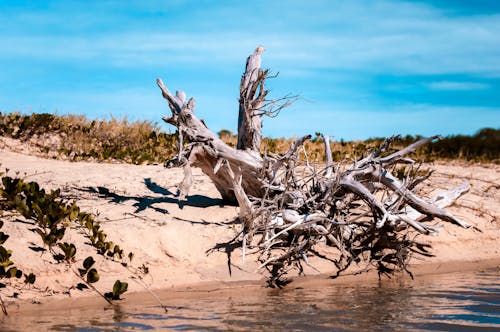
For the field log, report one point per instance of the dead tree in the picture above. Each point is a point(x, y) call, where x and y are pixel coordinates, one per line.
point(291, 211)
point(249, 119)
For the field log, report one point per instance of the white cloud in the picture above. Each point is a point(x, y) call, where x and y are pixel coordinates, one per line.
point(348, 122)
point(393, 36)
point(457, 86)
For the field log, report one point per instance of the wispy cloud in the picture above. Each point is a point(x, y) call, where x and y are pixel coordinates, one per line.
point(457, 86)
point(414, 38)
point(325, 50)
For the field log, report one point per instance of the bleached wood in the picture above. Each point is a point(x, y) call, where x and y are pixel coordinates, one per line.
point(251, 103)
point(328, 153)
point(362, 210)
point(441, 200)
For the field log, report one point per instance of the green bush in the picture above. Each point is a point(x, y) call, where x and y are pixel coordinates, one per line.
point(52, 217)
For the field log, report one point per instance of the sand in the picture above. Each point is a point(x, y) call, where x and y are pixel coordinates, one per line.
point(183, 246)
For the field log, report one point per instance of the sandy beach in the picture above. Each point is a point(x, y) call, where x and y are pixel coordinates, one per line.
point(183, 246)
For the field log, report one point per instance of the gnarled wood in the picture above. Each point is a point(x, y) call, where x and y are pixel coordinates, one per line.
point(251, 103)
point(202, 148)
point(360, 208)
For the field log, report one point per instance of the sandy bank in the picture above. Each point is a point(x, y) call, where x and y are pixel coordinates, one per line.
point(139, 211)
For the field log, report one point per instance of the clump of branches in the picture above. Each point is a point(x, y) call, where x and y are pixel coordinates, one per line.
point(355, 212)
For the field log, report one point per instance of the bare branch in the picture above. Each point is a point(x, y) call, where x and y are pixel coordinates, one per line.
point(289, 211)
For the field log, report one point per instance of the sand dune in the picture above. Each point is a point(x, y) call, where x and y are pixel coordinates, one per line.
point(183, 245)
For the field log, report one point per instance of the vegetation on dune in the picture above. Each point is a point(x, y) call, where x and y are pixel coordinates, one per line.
point(484, 146)
point(53, 217)
point(78, 138)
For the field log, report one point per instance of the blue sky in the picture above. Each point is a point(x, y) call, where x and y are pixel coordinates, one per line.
point(361, 68)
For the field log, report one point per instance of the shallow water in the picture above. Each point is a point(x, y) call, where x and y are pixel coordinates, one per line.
point(450, 302)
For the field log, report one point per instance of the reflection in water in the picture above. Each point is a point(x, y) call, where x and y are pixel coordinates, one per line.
point(459, 301)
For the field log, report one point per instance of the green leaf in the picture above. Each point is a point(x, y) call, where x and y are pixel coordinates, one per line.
point(72, 251)
point(88, 262)
point(3, 237)
point(123, 287)
point(109, 245)
point(92, 276)
point(50, 239)
point(69, 250)
point(89, 223)
point(59, 233)
point(14, 272)
point(4, 256)
point(119, 288)
point(95, 229)
point(74, 212)
point(6, 263)
point(29, 279)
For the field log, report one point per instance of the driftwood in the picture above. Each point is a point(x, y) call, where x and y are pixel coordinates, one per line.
point(288, 210)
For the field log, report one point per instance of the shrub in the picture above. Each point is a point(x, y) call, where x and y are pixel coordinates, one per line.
point(143, 142)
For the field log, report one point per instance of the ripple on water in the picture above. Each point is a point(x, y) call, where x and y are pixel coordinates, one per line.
point(460, 301)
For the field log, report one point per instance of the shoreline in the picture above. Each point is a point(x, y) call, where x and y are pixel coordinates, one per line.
point(218, 289)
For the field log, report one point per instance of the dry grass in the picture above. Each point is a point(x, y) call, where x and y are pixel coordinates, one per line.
point(484, 146)
point(75, 137)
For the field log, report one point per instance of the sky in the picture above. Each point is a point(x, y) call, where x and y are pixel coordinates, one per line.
point(361, 68)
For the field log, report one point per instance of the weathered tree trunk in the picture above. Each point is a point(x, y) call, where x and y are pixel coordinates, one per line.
point(251, 104)
point(360, 208)
point(202, 148)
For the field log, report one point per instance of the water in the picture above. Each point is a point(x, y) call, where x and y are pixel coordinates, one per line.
point(450, 302)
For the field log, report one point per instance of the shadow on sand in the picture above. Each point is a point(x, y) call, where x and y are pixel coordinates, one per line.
point(147, 202)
